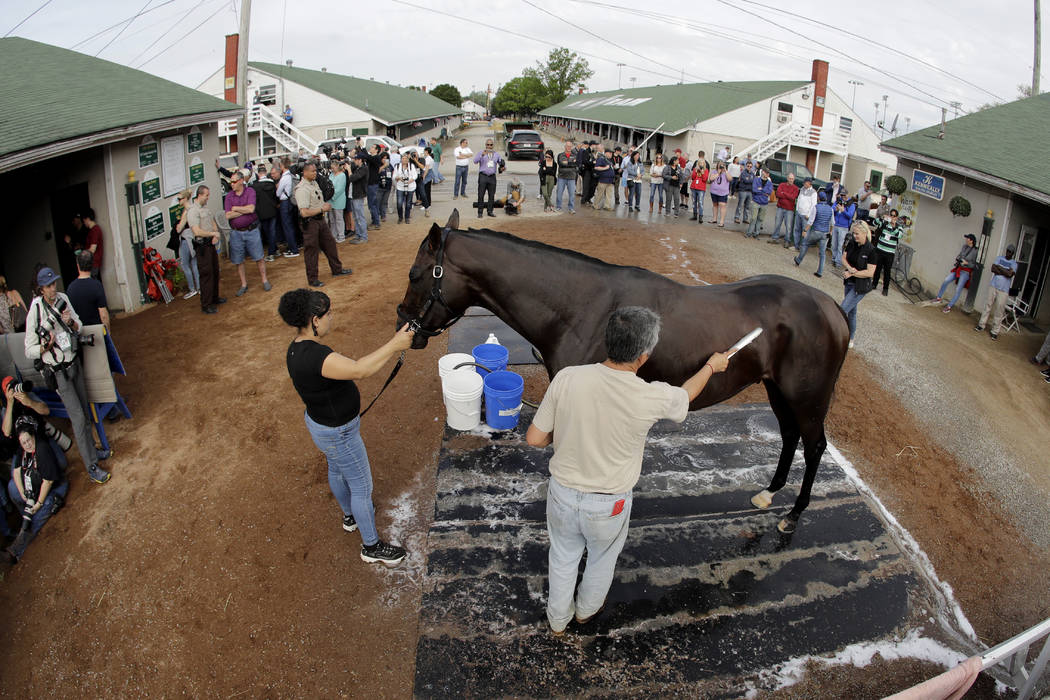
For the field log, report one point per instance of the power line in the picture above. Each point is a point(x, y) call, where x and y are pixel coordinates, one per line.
point(600, 37)
point(177, 41)
point(869, 40)
point(114, 26)
point(128, 24)
point(46, 3)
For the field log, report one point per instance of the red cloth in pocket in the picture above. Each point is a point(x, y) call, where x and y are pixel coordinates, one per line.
point(618, 507)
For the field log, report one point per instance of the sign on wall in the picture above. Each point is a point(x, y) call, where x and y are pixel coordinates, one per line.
point(174, 211)
point(150, 187)
point(927, 184)
point(908, 205)
point(154, 221)
point(196, 171)
point(194, 141)
point(173, 165)
point(148, 153)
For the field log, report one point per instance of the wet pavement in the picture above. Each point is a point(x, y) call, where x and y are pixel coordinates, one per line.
point(707, 593)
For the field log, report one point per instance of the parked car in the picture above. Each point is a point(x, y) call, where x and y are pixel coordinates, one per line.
point(525, 143)
point(779, 169)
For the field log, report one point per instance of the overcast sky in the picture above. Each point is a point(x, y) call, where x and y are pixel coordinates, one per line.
point(985, 47)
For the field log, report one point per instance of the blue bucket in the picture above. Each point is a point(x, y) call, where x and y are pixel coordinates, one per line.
point(491, 355)
point(503, 392)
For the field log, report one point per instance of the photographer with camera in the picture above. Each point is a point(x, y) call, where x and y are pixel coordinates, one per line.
point(36, 487)
point(53, 343)
point(21, 401)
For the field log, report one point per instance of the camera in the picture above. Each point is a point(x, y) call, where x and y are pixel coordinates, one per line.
point(63, 440)
point(27, 513)
point(61, 305)
point(86, 340)
point(23, 387)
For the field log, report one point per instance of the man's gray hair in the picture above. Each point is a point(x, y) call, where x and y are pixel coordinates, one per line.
point(631, 332)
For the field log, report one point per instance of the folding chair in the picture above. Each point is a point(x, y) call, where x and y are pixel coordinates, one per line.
point(1015, 309)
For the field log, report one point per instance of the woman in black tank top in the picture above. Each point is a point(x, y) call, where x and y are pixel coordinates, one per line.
point(324, 380)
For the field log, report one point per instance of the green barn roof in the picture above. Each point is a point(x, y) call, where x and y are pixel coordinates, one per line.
point(51, 95)
point(676, 106)
point(1005, 142)
point(390, 104)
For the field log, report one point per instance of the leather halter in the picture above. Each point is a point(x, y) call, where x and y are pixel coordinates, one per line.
point(416, 324)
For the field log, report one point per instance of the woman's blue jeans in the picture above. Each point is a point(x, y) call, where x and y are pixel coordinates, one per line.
point(634, 194)
point(964, 277)
point(189, 266)
point(655, 187)
point(61, 488)
point(404, 205)
point(849, 305)
point(697, 197)
point(349, 474)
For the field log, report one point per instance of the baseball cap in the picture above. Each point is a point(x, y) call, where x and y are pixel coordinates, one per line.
point(46, 276)
point(973, 238)
point(678, 150)
point(6, 383)
point(1009, 249)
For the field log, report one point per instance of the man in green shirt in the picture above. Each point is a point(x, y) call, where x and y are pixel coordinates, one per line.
point(888, 231)
point(435, 149)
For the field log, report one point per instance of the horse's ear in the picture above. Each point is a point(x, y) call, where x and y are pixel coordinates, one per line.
point(453, 221)
point(434, 237)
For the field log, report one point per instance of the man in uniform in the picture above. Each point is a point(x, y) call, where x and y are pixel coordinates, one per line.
point(316, 234)
point(245, 239)
point(205, 236)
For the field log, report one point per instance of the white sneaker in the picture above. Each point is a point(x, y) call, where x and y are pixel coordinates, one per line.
point(190, 294)
point(851, 345)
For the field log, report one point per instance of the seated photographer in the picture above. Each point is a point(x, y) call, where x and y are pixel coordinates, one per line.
point(52, 341)
point(37, 486)
point(515, 198)
point(22, 402)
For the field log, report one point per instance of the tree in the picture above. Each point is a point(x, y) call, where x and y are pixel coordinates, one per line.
point(523, 95)
point(448, 93)
point(562, 72)
point(480, 97)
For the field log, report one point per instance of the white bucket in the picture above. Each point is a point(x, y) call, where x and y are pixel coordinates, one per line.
point(462, 392)
point(448, 362)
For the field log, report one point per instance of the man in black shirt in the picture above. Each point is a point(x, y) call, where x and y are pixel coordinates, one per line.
point(87, 295)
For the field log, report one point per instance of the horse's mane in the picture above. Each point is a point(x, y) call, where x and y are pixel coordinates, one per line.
point(550, 249)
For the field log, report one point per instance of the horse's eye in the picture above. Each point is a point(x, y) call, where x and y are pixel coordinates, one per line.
point(415, 274)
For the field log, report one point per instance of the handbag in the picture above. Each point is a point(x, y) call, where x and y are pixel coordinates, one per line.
point(18, 318)
point(174, 241)
point(862, 285)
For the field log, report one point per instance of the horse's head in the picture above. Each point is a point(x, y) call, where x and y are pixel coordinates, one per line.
point(434, 287)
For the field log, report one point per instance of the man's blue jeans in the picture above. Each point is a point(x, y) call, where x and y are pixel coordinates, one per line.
point(849, 306)
point(372, 193)
point(797, 233)
point(288, 214)
point(576, 521)
point(964, 277)
point(349, 473)
point(459, 185)
point(360, 227)
point(838, 239)
point(785, 217)
point(698, 203)
point(570, 186)
point(821, 244)
point(268, 227)
point(743, 206)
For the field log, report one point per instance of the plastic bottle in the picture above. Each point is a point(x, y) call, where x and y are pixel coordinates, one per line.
point(493, 340)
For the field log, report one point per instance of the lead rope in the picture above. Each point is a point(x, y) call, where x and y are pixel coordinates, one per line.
point(393, 373)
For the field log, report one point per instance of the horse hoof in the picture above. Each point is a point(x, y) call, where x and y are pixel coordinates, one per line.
point(787, 524)
point(763, 499)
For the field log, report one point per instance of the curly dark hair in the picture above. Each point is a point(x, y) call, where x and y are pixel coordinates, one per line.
point(299, 306)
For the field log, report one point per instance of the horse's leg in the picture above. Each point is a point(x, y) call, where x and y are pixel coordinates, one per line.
point(789, 434)
point(814, 443)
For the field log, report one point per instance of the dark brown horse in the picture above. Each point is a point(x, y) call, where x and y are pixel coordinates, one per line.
point(559, 301)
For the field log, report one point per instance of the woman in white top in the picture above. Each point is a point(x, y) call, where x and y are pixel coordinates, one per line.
point(656, 181)
point(430, 176)
point(734, 174)
point(405, 174)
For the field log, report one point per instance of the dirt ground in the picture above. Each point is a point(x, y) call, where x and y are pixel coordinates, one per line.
point(214, 564)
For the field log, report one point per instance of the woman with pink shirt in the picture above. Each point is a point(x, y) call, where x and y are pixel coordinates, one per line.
point(720, 183)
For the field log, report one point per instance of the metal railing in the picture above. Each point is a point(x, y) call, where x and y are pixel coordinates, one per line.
point(261, 119)
point(798, 134)
point(1013, 656)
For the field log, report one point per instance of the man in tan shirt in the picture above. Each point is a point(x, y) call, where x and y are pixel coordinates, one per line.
point(316, 234)
point(598, 417)
point(205, 229)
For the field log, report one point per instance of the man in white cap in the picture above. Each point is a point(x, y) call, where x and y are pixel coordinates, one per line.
point(52, 336)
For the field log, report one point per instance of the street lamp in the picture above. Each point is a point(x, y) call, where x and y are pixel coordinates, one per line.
point(853, 103)
point(632, 79)
point(619, 75)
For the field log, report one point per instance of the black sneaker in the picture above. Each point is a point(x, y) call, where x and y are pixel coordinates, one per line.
point(97, 474)
point(979, 329)
point(349, 524)
point(381, 552)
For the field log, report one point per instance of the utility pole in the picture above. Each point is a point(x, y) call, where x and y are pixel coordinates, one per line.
point(619, 75)
point(853, 103)
point(1038, 51)
point(242, 79)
